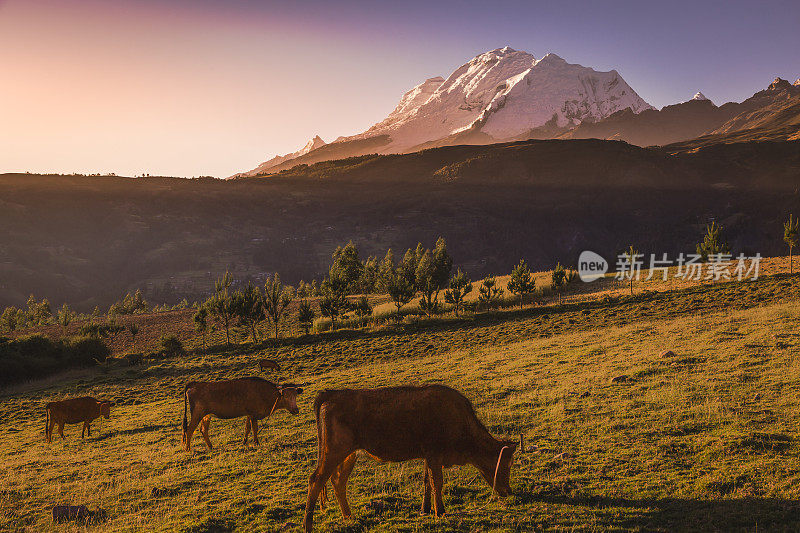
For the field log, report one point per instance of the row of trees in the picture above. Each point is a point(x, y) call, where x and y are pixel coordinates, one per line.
point(247, 307)
point(37, 313)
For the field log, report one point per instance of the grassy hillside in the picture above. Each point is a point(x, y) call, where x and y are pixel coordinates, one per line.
point(701, 440)
point(89, 240)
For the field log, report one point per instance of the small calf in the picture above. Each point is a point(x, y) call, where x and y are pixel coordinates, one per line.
point(268, 364)
point(75, 411)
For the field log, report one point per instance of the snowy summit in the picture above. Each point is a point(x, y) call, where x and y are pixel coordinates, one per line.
point(504, 93)
point(499, 95)
point(699, 96)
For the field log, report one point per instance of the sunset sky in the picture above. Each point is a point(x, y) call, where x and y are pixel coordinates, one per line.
point(199, 87)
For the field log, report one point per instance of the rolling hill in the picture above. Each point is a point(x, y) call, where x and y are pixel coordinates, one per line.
point(88, 240)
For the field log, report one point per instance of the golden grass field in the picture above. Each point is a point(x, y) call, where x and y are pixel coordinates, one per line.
point(704, 440)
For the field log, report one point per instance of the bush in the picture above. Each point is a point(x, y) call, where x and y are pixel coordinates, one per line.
point(171, 346)
point(36, 356)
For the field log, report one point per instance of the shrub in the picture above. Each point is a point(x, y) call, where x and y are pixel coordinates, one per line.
point(86, 350)
point(171, 346)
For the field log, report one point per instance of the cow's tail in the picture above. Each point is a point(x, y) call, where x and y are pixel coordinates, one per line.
point(186, 408)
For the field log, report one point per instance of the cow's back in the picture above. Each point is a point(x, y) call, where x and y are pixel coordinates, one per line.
point(234, 398)
point(401, 423)
point(74, 410)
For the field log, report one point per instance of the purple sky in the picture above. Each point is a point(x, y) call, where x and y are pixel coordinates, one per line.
point(191, 87)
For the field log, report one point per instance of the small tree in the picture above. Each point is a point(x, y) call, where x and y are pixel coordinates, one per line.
point(201, 323)
point(521, 281)
point(368, 282)
point(713, 243)
point(347, 266)
point(790, 234)
point(631, 256)
point(432, 273)
point(133, 329)
point(276, 299)
point(9, 319)
point(65, 317)
point(363, 309)
point(489, 293)
point(401, 291)
point(221, 305)
point(248, 307)
point(333, 300)
point(460, 286)
point(39, 313)
point(399, 282)
point(305, 316)
point(559, 280)
point(303, 290)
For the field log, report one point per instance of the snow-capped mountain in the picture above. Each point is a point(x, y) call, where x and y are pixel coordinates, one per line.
point(699, 96)
point(504, 93)
point(499, 95)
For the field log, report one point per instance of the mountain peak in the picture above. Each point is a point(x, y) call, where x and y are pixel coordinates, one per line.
point(313, 144)
point(778, 84)
point(551, 58)
point(699, 96)
point(797, 82)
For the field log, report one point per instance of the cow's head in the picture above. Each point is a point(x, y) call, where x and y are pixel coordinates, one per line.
point(105, 409)
point(506, 459)
point(287, 398)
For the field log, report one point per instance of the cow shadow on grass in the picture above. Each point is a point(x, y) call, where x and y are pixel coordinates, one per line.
point(681, 514)
point(135, 431)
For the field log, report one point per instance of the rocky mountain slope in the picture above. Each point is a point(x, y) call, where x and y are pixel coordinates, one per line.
point(696, 118)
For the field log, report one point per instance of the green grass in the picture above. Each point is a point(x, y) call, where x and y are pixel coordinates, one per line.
point(703, 440)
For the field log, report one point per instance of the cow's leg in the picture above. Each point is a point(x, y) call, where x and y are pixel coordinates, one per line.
point(246, 429)
point(49, 433)
point(316, 484)
point(426, 490)
point(254, 425)
point(88, 428)
point(339, 481)
point(61, 429)
point(196, 418)
point(204, 425)
point(437, 480)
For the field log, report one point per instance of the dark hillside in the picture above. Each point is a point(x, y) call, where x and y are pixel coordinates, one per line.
point(88, 240)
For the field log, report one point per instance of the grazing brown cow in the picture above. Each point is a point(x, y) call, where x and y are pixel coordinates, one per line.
point(74, 411)
point(434, 423)
point(78, 513)
point(253, 397)
point(268, 364)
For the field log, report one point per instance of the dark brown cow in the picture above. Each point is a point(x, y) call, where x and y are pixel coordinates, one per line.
point(268, 364)
point(253, 397)
point(434, 423)
point(74, 411)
